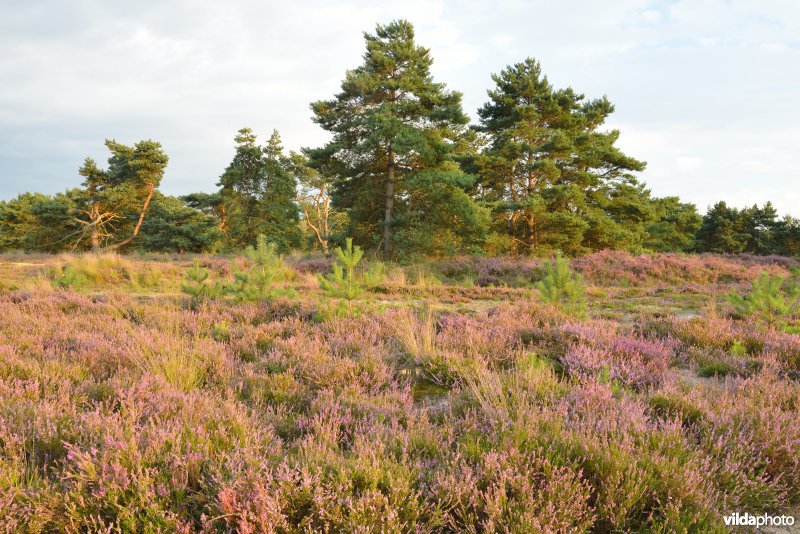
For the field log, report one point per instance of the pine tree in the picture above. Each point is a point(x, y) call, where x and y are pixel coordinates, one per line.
point(675, 226)
point(788, 236)
point(346, 281)
point(395, 131)
point(258, 195)
point(174, 226)
point(562, 286)
point(772, 299)
point(241, 186)
point(762, 227)
point(548, 166)
point(721, 231)
point(114, 202)
point(278, 210)
point(265, 269)
point(198, 287)
point(38, 222)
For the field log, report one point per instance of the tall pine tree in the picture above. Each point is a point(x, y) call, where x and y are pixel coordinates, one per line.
point(395, 132)
point(675, 228)
point(722, 231)
point(555, 180)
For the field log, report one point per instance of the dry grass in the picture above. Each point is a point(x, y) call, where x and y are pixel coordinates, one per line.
point(110, 269)
point(176, 363)
point(415, 331)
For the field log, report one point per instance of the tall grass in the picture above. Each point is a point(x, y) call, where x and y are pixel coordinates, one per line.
point(181, 359)
point(103, 270)
point(415, 331)
point(178, 365)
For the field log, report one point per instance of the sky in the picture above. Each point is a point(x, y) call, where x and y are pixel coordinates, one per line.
point(706, 91)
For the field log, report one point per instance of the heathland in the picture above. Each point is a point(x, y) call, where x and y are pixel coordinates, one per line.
point(257, 393)
point(423, 325)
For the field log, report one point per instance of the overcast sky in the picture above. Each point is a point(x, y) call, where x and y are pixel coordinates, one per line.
point(705, 91)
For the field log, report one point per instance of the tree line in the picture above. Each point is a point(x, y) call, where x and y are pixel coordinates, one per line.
point(403, 174)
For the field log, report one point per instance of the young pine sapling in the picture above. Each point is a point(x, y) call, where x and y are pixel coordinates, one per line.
point(772, 299)
point(197, 286)
point(346, 282)
point(266, 268)
point(563, 286)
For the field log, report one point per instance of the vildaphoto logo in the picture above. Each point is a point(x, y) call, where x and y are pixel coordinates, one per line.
point(764, 520)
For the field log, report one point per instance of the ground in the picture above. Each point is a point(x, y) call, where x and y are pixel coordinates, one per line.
point(447, 397)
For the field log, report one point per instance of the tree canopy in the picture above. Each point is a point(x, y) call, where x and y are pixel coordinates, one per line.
point(257, 195)
point(553, 178)
point(395, 132)
point(403, 173)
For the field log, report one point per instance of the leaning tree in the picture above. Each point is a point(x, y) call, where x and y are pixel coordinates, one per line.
point(113, 202)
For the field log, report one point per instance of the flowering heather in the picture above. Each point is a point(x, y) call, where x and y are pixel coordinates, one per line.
point(614, 267)
point(476, 410)
point(492, 271)
point(312, 264)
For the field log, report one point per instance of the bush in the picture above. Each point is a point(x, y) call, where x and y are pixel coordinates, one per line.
point(313, 264)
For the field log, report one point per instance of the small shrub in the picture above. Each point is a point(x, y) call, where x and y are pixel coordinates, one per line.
point(560, 285)
point(313, 264)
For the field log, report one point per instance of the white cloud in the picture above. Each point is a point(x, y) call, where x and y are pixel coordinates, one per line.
point(686, 163)
point(651, 16)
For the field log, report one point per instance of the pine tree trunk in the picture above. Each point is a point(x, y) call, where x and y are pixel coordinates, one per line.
point(95, 239)
point(95, 236)
point(139, 223)
point(387, 217)
point(529, 210)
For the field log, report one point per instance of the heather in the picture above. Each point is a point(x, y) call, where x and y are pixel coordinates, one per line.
point(425, 403)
